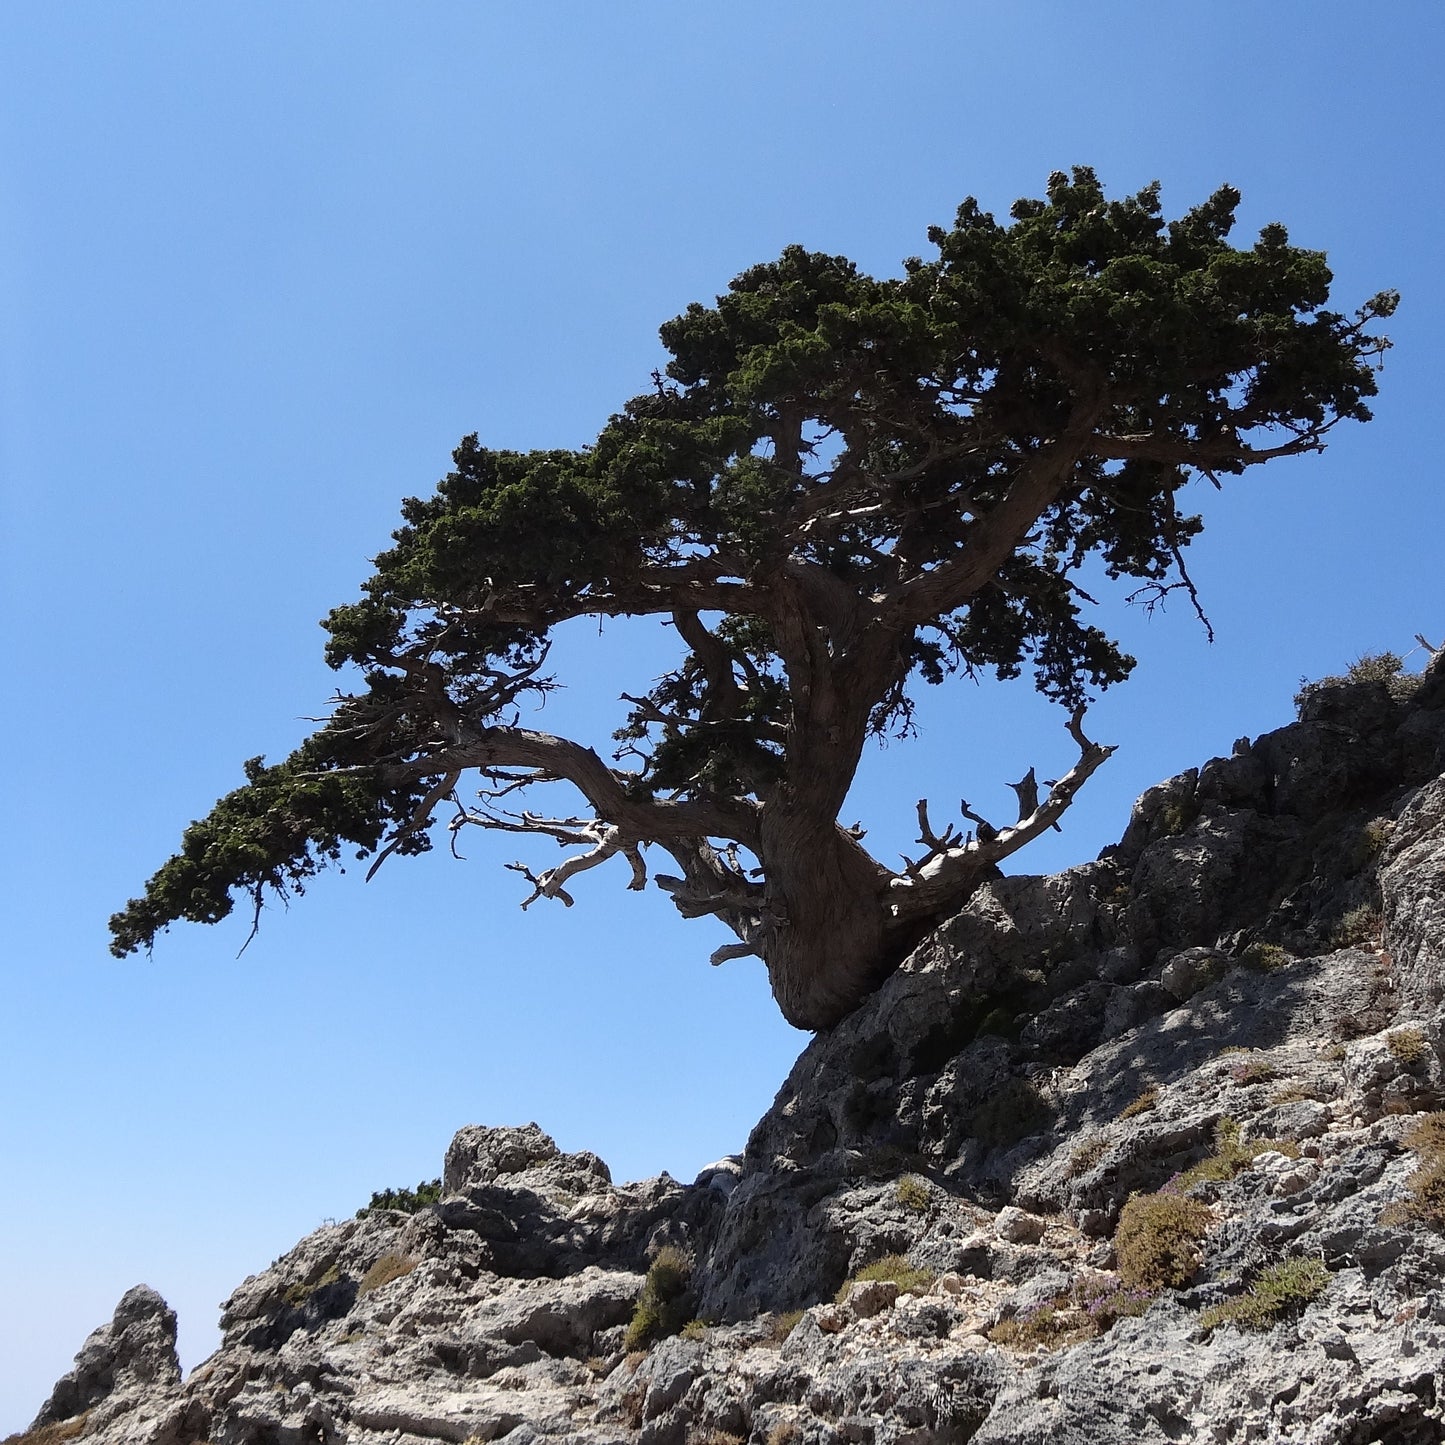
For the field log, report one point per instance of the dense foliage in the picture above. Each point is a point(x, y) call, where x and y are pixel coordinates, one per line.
point(841, 488)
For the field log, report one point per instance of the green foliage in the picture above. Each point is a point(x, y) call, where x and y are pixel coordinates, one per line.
point(1359, 925)
point(661, 1308)
point(894, 1268)
point(914, 1194)
point(1157, 1242)
point(1283, 1288)
point(298, 1293)
point(407, 1201)
point(1426, 1198)
point(1146, 1101)
point(1230, 1156)
point(784, 1324)
point(694, 1330)
point(1015, 1111)
point(1083, 1312)
point(840, 490)
point(1407, 1045)
point(1266, 957)
point(386, 1269)
point(1177, 815)
point(1387, 668)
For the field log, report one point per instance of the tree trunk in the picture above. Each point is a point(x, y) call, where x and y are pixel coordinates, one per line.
point(826, 949)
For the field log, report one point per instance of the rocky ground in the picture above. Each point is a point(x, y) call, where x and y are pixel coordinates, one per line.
point(1147, 1151)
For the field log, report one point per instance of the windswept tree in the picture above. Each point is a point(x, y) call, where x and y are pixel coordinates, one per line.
point(841, 488)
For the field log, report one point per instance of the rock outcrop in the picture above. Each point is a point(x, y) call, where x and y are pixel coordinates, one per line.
point(1147, 1151)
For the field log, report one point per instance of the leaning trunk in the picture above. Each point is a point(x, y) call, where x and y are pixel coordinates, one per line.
point(825, 951)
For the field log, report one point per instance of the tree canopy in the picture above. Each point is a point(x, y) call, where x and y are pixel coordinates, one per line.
point(841, 488)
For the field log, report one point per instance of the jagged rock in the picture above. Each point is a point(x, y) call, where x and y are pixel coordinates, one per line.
point(135, 1352)
point(1241, 1004)
point(1193, 969)
point(1413, 884)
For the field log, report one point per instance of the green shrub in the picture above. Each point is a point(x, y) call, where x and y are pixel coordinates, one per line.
point(1177, 815)
point(1146, 1101)
point(894, 1267)
point(1266, 957)
point(1409, 1046)
point(1087, 1155)
point(1359, 925)
point(298, 1294)
point(1157, 1242)
point(408, 1201)
point(1082, 1313)
point(1231, 1157)
point(1385, 667)
point(694, 1330)
point(1282, 1289)
point(386, 1269)
point(1426, 1199)
point(783, 1325)
point(1015, 1112)
point(661, 1308)
point(913, 1193)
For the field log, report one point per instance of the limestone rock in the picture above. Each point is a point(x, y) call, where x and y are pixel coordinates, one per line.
point(1208, 1015)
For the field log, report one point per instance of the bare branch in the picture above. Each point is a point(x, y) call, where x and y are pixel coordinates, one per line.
point(419, 820)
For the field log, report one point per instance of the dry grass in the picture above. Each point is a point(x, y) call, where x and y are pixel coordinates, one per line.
point(386, 1269)
point(54, 1434)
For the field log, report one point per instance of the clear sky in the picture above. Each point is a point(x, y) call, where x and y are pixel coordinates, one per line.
point(262, 264)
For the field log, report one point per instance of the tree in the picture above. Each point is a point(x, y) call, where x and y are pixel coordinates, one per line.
point(841, 488)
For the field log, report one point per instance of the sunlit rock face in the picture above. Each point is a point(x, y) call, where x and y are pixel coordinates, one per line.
point(1149, 1150)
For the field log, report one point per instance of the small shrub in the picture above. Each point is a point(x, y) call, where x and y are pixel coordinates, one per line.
point(1370, 841)
point(1282, 1289)
point(1082, 1313)
point(1359, 925)
point(1157, 1241)
point(1409, 1046)
point(386, 1269)
point(785, 1432)
point(661, 1307)
point(1266, 957)
point(783, 1325)
point(1087, 1155)
point(408, 1201)
point(1177, 815)
point(1052, 1325)
point(694, 1330)
point(298, 1294)
point(1426, 1201)
point(1015, 1112)
point(1146, 1101)
point(894, 1267)
point(1294, 1094)
point(1252, 1071)
point(913, 1193)
point(1231, 1157)
point(1385, 667)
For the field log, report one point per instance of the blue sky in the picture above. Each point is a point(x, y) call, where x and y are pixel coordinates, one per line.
point(261, 266)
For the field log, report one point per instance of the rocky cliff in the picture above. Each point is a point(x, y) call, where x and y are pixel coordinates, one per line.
point(1145, 1151)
